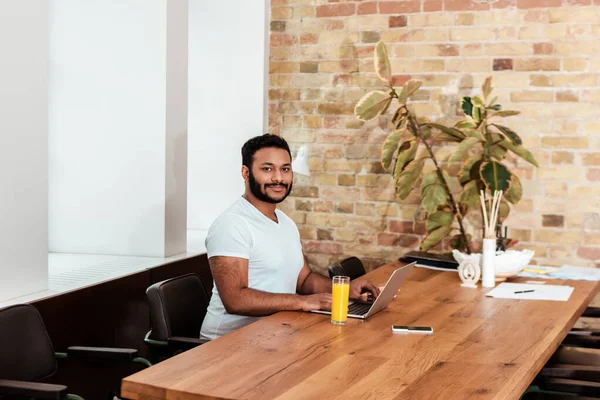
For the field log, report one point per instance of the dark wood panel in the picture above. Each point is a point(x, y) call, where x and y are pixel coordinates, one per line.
point(110, 314)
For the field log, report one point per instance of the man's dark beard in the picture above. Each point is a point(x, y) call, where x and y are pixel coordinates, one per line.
point(261, 192)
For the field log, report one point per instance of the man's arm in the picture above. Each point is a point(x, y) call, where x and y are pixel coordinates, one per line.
point(231, 277)
point(312, 282)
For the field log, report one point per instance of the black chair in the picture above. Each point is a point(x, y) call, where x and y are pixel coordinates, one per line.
point(177, 308)
point(351, 266)
point(27, 356)
point(571, 371)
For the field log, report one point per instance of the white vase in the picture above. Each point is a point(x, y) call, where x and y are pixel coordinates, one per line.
point(488, 274)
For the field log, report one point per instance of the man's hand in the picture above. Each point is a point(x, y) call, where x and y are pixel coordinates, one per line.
point(319, 301)
point(360, 289)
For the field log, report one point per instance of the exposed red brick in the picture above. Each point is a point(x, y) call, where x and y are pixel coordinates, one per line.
point(277, 26)
point(324, 234)
point(399, 7)
point(323, 206)
point(332, 122)
point(543, 48)
point(504, 4)
point(593, 174)
point(464, 5)
point(402, 240)
point(283, 39)
point(501, 64)
point(591, 253)
point(341, 79)
point(366, 51)
point(320, 247)
point(407, 227)
point(557, 221)
point(538, 3)
point(334, 24)
point(399, 80)
point(397, 21)
point(308, 38)
point(433, 5)
point(336, 10)
point(367, 8)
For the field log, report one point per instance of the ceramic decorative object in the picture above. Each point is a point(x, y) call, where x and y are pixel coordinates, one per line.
point(469, 272)
point(488, 254)
point(506, 263)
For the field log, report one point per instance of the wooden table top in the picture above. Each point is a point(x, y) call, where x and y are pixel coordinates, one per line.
point(481, 348)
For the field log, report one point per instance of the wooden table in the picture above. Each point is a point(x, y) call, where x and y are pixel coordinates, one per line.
point(481, 348)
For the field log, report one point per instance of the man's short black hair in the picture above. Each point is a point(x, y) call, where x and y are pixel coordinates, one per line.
point(260, 142)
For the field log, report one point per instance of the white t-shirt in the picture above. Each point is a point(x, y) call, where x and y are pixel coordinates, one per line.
point(274, 256)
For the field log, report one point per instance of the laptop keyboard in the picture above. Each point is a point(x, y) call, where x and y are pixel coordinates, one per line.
point(359, 308)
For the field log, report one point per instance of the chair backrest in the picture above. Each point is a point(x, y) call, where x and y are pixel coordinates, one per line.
point(26, 352)
point(350, 266)
point(177, 307)
point(353, 267)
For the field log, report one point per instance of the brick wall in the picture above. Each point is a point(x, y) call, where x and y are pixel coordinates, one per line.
point(544, 56)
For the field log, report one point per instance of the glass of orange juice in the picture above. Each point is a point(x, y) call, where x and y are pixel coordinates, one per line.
point(339, 299)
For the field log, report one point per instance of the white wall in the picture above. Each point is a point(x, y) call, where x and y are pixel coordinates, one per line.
point(23, 147)
point(227, 99)
point(109, 126)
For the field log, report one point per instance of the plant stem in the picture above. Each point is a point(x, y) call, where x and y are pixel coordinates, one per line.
point(414, 126)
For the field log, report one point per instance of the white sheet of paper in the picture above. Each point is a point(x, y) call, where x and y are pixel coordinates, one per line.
point(507, 290)
point(573, 272)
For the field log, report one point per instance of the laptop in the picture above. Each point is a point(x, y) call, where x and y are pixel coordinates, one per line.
point(365, 310)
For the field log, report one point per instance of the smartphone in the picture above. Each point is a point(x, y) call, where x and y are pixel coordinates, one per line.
point(411, 329)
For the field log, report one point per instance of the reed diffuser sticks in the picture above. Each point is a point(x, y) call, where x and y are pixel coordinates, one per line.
point(489, 223)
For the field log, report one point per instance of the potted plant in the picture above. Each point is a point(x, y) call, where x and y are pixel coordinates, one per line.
point(482, 144)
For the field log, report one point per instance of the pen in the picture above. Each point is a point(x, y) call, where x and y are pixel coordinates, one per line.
point(524, 291)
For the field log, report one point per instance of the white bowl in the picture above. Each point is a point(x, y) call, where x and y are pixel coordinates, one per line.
point(507, 263)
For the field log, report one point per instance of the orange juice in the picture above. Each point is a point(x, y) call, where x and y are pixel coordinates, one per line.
point(339, 299)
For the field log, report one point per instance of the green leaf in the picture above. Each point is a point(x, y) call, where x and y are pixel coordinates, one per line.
point(486, 88)
point(439, 218)
point(433, 178)
point(408, 89)
point(459, 242)
point(389, 147)
point(470, 194)
point(465, 171)
point(477, 113)
point(444, 137)
point(467, 106)
point(492, 101)
point(474, 133)
point(435, 237)
point(434, 196)
point(405, 155)
point(399, 115)
point(462, 149)
point(503, 209)
point(510, 133)
point(447, 130)
point(498, 152)
point(407, 179)
point(520, 151)
point(515, 192)
point(382, 63)
point(495, 176)
point(371, 105)
point(465, 124)
point(505, 113)
point(475, 173)
point(477, 101)
point(495, 107)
